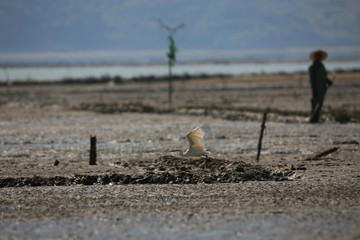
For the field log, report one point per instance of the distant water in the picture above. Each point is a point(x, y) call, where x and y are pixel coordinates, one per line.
point(53, 73)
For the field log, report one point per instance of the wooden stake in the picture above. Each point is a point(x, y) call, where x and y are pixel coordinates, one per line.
point(261, 136)
point(322, 154)
point(92, 150)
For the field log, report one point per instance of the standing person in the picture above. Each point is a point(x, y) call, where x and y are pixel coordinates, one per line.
point(319, 83)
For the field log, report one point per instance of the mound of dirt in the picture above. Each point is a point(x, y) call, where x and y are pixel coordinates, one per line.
point(163, 170)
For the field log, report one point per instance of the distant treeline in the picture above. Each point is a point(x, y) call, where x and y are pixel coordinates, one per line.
point(117, 79)
point(142, 79)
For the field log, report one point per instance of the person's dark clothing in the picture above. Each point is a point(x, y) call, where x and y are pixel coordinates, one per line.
point(319, 83)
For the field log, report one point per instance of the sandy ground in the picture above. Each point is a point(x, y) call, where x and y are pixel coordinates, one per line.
point(43, 124)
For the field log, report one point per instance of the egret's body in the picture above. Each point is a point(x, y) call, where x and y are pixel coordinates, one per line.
point(196, 145)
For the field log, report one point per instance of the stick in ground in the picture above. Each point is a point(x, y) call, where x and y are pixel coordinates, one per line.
point(92, 150)
point(261, 136)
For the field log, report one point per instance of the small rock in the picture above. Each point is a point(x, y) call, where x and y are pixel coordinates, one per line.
point(301, 167)
point(162, 168)
point(183, 168)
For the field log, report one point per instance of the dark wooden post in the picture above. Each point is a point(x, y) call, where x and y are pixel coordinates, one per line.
point(92, 150)
point(261, 136)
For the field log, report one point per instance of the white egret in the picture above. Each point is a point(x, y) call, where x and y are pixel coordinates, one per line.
point(196, 145)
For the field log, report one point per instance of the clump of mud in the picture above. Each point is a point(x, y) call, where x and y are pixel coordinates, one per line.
point(163, 170)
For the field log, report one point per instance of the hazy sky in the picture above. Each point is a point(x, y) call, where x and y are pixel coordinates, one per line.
point(97, 28)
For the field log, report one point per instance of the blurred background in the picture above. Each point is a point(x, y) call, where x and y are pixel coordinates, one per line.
point(98, 32)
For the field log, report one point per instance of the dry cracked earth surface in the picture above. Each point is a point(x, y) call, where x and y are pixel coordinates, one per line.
point(306, 184)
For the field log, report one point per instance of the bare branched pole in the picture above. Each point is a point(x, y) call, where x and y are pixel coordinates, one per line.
point(171, 54)
point(169, 29)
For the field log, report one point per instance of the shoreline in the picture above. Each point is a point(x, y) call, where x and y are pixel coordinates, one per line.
point(118, 73)
point(153, 79)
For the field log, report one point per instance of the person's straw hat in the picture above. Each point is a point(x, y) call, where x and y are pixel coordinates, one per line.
point(319, 55)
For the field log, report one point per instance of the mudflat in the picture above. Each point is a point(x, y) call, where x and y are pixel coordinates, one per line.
point(306, 184)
